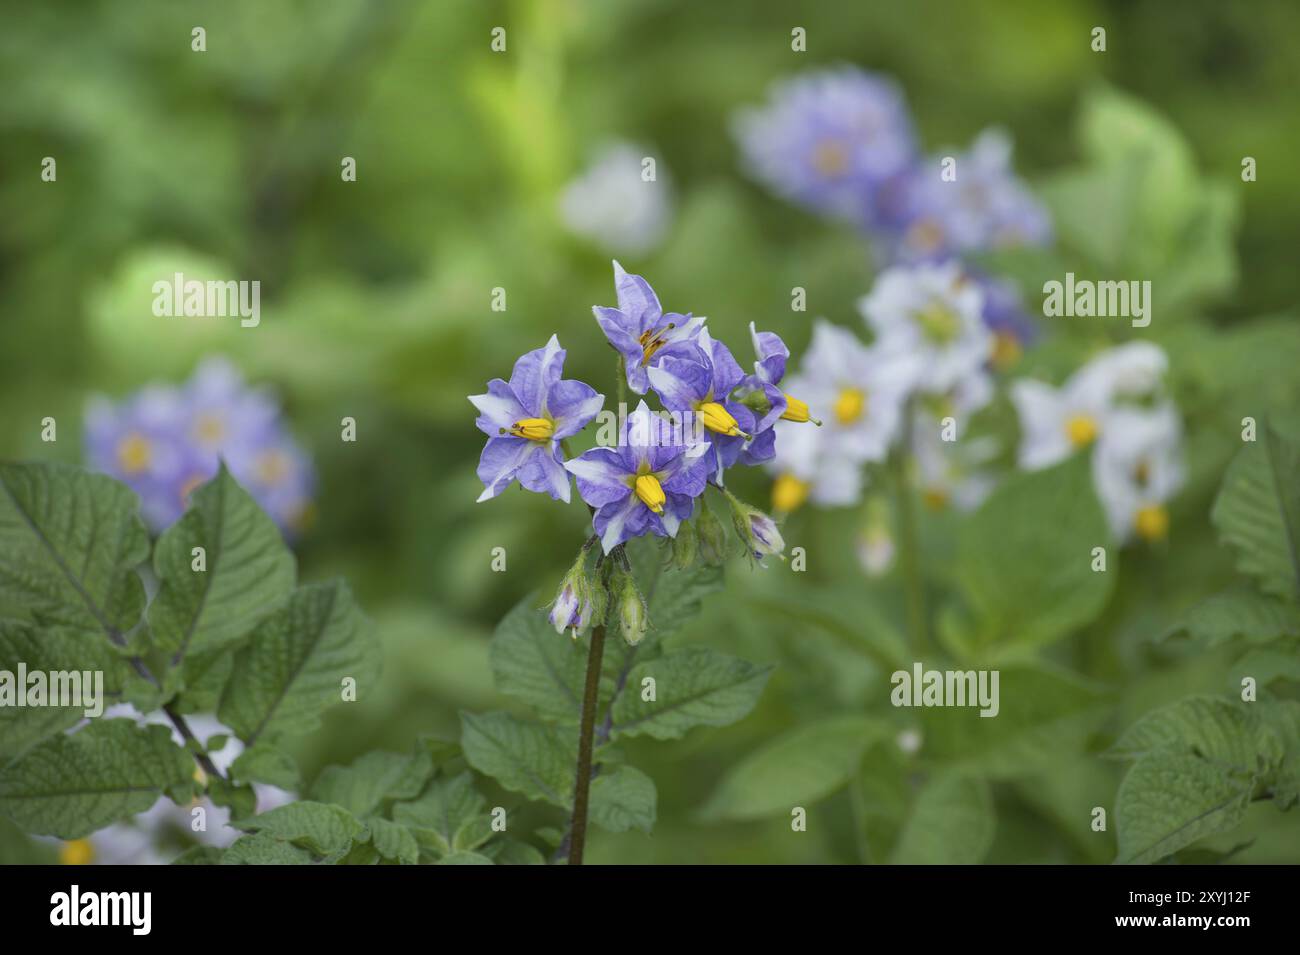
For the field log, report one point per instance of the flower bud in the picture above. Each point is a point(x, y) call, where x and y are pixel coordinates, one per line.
point(633, 618)
point(712, 536)
point(573, 607)
point(684, 546)
point(756, 530)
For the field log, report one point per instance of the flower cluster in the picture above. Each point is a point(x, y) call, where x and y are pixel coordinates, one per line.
point(164, 441)
point(1116, 407)
point(647, 478)
point(841, 142)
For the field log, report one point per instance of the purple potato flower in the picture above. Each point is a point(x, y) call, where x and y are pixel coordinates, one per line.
point(699, 383)
point(646, 485)
point(834, 141)
point(525, 420)
point(985, 207)
point(640, 330)
point(165, 441)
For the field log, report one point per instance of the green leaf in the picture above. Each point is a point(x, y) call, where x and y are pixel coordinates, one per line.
point(447, 808)
point(1257, 512)
point(1282, 718)
point(1238, 613)
point(45, 652)
point(374, 778)
point(1169, 799)
point(1028, 586)
point(512, 852)
point(322, 829)
point(465, 858)
point(266, 764)
point(70, 785)
point(248, 573)
point(797, 768)
point(1216, 730)
point(295, 663)
point(394, 842)
point(1042, 712)
point(69, 545)
point(693, 687)
point(533, 663)
point(951, 823)
point(623, 798)
point(524, 757)
point(200, 855)
point(265, 849)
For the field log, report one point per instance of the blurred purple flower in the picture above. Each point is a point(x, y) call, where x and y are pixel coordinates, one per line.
point(164, 441)
point(834, 141)
point(986, 206)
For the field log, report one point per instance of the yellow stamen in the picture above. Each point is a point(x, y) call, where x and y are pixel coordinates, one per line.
point(938, 322)
point(209, 429)
point(651, 493)
point(830, 159)
point(788, 493)
point(76, 852)
point(1152, 522)
point(717, 418)
point(534, 429)
point(134, 453)
point(272, 467)
point(850, 405)
point(1006, 350)
point(936, 499)
point(1081, 429)
point(653, 340)
point(796, 409)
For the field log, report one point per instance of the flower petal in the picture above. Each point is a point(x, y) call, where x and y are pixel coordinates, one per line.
point(681, 382)
point(499, 406)
point(619, 521)
point(535, 372)
point(636, 298)
point(544, 473)
point(501, 460)
point(601, 475)
point(572, 404)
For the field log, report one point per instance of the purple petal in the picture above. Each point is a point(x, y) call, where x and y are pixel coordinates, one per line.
point(572, 404)
point(501, 460)
point(620, 521)
point(726, 370)
point(535, 373)
point(499, 406)
point(772, 354)
point(544, 473)
point(601, 475)
point(636, 298)
point(677, 508)
point(688, 472)
point(762, 448)
point(681, 382)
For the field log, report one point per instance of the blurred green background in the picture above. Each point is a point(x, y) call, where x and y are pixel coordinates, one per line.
point(376, 294)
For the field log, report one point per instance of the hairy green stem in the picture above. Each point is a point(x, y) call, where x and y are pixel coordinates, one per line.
point(586, 739)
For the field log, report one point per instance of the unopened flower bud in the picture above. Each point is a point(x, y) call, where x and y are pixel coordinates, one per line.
point(572, 608)
point(756, 530)
point(633, 618)
point(684, 546)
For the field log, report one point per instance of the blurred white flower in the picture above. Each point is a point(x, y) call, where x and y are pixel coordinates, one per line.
point(875, 548)
point(951, 472)
point(1055, 422)
point(1137, 468)
point(159, 834)
point(613, 206)
point(856, 391)
point(808, 467)
point(931, 314)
